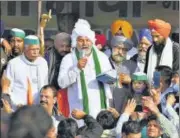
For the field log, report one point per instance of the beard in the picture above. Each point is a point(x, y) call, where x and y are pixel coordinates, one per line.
point(142, 56)
point(85, 52)
point(88, 51)
point(16, 52)
point(158, 47)
point(118, 58)
point(63, 53)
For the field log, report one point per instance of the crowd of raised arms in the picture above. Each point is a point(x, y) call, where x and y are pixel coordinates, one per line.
point(81, 85)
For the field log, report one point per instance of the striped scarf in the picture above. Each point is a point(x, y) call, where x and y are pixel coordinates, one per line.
point(84, 86)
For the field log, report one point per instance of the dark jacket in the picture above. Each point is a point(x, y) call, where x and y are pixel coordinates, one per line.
point(120, 97)
point(175, 58)
point(54, 60)
point(92, 129)
point(56, 114)
point(4, 60)
point(129, 64)
point(134, 58)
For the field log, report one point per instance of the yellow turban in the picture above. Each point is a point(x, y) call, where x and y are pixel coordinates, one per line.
point(126, 27)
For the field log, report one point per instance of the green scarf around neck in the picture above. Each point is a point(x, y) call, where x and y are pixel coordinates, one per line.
point(84, 86)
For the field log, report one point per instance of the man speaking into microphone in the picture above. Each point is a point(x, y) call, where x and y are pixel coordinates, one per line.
point(79, 69)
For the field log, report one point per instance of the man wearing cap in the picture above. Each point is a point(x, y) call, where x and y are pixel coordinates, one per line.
point(62, 46)
point(122, 27)
point(139, 88)
point(120, 46)
point(28, 66)
point(79, 69)
point(163, 51)
point(145, 41)
point(17, 41)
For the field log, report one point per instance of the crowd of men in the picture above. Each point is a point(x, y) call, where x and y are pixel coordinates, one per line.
point(58, 94)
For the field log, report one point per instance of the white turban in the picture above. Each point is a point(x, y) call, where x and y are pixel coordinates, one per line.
point(82, 28)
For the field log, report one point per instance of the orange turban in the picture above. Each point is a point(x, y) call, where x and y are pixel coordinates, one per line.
point(160, 26)
point(124, 25)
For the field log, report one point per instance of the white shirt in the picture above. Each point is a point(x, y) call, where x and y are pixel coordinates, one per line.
point(18, 70)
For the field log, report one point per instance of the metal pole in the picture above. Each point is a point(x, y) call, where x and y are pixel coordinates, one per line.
point(39, 16)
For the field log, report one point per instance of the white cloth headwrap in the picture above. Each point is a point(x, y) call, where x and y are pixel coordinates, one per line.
point(166, 58)
point(82, 28)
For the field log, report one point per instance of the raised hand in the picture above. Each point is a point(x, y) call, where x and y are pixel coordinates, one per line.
point(7, 47)
point(5, 83)
point(130, 107)
point(156, 95)
point(124, 79)
point(6, 106)
point(171, 99)
point(78, 114)
point(149, 103)
point(114, 112)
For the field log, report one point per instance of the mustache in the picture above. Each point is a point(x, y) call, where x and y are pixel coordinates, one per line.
point(158, 48)
point(142, 50)
point(85, 47)
point(43, 102)
point(64, 52)
point(117, 54)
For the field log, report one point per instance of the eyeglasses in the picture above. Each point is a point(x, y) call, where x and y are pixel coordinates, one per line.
point(121, 49)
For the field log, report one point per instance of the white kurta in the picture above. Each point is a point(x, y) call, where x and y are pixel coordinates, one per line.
point(55, 123)
point(69, 76)
point(140, 66)
point(18, 70)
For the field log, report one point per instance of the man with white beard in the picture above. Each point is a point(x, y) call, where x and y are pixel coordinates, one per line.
point(145, 41)
point(78, 71)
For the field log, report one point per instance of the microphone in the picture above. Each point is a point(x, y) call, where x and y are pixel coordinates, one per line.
point(82, 53)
